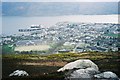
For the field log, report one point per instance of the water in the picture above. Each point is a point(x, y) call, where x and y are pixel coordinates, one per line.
point(11, 24)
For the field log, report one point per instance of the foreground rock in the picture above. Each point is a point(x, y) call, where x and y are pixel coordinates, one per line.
point(84, 73)
point(19, 73)
point(79, 64)
point(85, 69)
point(107, 75)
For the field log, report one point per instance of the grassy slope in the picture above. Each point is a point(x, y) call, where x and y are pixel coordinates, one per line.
point(47, 65)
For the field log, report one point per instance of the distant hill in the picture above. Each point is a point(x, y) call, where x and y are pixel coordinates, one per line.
point(58, 8)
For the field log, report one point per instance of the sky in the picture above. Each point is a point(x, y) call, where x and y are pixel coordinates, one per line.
point(58, 8)
point(60, 0)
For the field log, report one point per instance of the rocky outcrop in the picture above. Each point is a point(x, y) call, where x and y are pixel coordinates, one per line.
point(85, 69)
point(19, 73)
point(84, 73)
point(107, 75)
point(79, 64)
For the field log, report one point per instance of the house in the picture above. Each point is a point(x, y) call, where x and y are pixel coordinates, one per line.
point(78, 49)
point(63, 51)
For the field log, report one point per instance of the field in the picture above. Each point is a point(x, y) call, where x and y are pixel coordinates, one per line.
point(113, 35)
point(32, 48)
point(42, 67)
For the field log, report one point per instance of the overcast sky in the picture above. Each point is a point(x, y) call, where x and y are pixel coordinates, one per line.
point(58, 8)
point(60, 0)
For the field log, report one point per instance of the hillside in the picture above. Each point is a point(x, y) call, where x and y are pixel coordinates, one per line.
point(45, 66)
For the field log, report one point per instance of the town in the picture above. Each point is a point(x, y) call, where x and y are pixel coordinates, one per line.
point(65, 37)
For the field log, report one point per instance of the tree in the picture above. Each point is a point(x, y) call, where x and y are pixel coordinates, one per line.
point(6, 48)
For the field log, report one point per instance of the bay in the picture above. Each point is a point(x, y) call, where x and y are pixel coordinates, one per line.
point(11, 24)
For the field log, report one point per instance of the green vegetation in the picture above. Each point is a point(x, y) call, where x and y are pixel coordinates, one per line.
point(113, 35)
point(7, 48)
point(64, 56)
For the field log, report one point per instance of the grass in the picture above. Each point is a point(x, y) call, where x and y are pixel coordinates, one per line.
point(63, 56)
point(113, 35)
point(46, 66)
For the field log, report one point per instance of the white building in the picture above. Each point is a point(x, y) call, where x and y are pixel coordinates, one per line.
point(32, 29)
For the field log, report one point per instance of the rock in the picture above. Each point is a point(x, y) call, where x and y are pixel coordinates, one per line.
point(19, 73)
point(107, 75)
point(79, 64)
point(84, 73)
point(85, 69)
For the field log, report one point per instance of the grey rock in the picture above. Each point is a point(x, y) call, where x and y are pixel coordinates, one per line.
point(19, 73)
point(85, 69)
point(107, 75)
point(79, 64)
point(84, 73)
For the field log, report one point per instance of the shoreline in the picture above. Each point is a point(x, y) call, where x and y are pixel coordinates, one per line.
point(23, 22)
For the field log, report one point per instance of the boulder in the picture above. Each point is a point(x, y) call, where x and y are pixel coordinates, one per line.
point(79, 64)
point(85, 69)
point(84, 73)
point(19, 73)
point(107, 75)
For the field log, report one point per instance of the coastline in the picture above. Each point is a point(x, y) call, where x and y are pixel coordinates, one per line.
point(16, 22)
